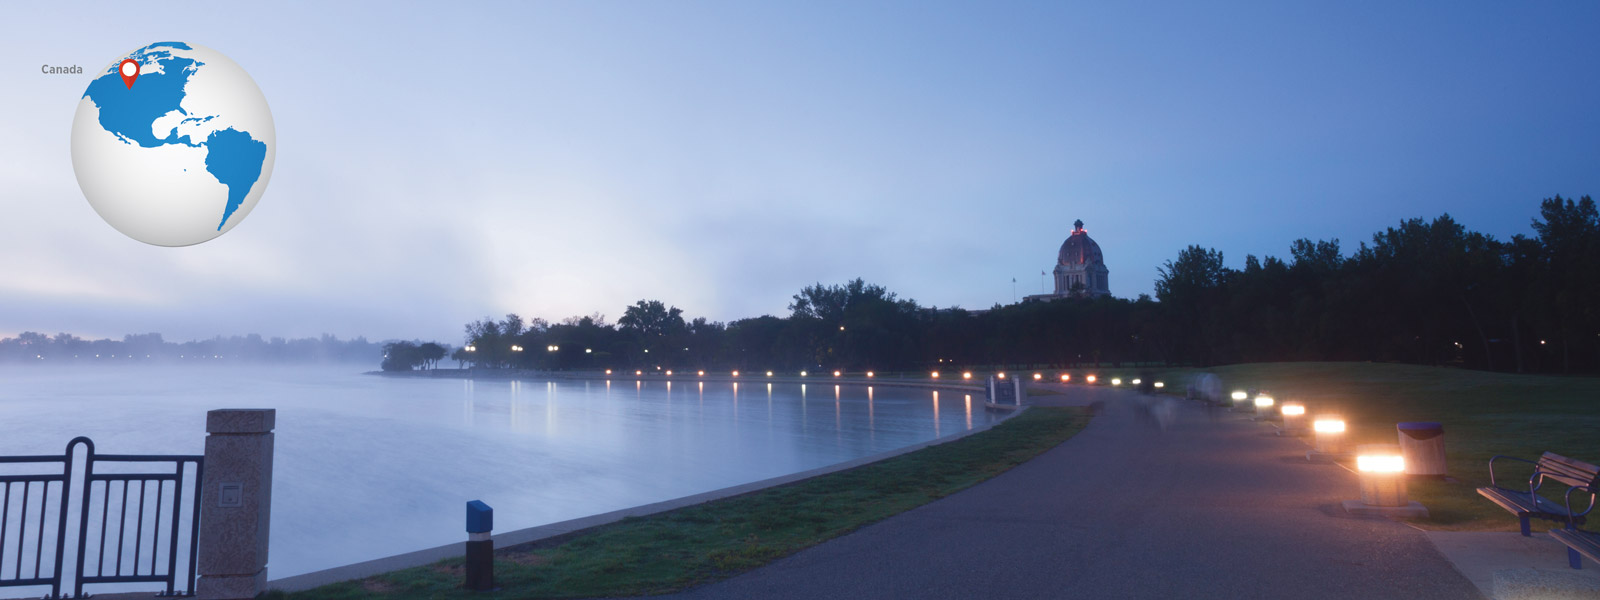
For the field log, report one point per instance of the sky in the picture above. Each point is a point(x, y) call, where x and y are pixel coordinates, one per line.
point(442, 162)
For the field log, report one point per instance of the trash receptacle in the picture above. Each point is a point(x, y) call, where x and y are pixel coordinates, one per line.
point(1422, 444)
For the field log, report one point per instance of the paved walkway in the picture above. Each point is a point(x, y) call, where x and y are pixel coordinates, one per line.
point(1147, 502)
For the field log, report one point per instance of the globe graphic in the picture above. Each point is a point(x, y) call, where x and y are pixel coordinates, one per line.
point(182, 153)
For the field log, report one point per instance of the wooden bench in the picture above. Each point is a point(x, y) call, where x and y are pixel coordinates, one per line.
point(1579, 542)
point(1577, 475)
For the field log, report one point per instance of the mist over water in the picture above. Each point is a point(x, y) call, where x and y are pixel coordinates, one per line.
point(368, 466)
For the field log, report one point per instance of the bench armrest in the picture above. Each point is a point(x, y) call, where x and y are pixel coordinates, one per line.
point(1500, 456)
point(1573, 516)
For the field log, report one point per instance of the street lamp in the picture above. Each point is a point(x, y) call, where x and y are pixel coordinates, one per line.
point(934, 374)
point(1089, 379)
point(1065, 378)
point(967, 375)
point(869, 374)
point(1038, 376)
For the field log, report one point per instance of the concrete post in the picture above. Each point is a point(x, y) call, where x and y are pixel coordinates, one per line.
point(236, 504)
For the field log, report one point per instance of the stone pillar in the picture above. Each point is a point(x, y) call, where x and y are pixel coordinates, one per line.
point(236, 504)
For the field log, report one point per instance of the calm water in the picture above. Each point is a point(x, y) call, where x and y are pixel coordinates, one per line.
point(369, 466)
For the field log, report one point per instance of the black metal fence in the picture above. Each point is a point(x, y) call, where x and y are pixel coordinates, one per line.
point(156, 499)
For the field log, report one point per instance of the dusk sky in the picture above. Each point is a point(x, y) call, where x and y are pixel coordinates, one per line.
point(438, 163)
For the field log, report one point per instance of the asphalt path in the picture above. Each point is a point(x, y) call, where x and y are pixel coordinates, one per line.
point(1154, 499)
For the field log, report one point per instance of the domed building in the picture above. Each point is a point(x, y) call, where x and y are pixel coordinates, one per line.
point(1080, 268)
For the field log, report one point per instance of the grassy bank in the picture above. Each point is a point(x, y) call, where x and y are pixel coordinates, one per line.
point(703, 543)
point(1483, 414)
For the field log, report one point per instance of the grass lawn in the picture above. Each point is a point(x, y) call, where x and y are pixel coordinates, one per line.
point(699, 544)
point(1483, 414)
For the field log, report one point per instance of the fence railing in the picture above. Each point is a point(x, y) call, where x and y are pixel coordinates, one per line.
point(156, 499)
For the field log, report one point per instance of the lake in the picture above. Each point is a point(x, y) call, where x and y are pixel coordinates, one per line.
point(368, 466)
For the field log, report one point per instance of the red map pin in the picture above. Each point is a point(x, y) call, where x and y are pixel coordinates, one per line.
point(130, 71)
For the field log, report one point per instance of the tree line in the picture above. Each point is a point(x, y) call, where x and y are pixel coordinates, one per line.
point(1424, 292)
point(40, 348)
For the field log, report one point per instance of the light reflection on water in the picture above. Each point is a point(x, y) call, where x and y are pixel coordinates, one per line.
point(372, 466)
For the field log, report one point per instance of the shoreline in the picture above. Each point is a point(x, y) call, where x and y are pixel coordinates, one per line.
point(509, 374)
point(427, 556)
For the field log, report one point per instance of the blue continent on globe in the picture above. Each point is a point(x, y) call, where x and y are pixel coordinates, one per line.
point(233, 157)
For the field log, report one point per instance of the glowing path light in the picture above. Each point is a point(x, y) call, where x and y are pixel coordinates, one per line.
point(1328, 434)
point(1382, 469)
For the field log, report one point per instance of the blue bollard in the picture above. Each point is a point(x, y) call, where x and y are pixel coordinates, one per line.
point(480, 547)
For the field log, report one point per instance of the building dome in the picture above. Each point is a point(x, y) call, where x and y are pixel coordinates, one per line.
point(1079, 250)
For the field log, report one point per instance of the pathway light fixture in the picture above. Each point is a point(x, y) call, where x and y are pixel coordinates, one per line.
point(1328, 435)
point(1382, 469)
point(1294, 418)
